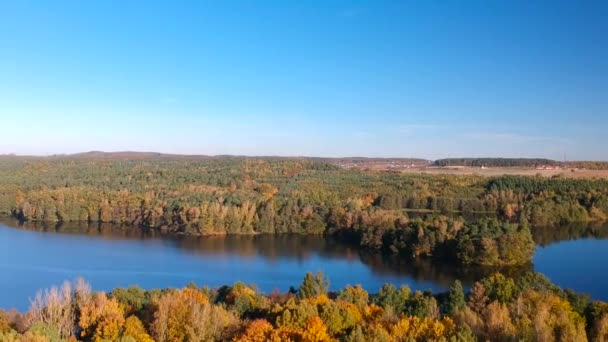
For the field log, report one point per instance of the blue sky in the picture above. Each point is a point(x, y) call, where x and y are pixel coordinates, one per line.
point(429, 79)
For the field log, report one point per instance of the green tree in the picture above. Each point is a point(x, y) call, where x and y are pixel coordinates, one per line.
point(456, 300)
point(390, 296)
point(313, 285)
point(500, 288)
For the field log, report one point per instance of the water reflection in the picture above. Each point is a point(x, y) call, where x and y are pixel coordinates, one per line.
point(281, 247)
point(111, 256)
point(442, 273)
point(544, 236)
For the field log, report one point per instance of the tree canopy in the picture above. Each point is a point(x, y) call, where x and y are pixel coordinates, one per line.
point(497, 308)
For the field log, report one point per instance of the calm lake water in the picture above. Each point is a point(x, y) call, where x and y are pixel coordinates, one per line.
point(32, 258)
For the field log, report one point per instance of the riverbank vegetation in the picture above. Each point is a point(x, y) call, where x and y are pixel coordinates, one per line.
point(497, 308)
point(416, 215)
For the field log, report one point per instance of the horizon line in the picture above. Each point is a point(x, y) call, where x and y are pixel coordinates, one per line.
point(154, 153)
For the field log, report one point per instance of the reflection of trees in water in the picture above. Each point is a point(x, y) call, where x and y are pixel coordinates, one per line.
point(440, 272)
point(299, 247)
point(548, 235)
point(265, 245)
point(302, 247)
point(268, 246)
point(108, 231)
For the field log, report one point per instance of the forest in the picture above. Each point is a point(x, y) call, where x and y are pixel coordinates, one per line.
point(495, 162)
point(521, 163)
point(496, 308)
point(471, 219)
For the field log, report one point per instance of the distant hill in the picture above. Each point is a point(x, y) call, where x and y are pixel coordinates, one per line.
point(344, 162)
point(157, 155)
point(120, 154)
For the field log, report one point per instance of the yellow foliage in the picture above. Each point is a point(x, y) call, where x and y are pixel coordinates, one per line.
point(101, 317)
point(242, 293)
point(194, 295)
point(318, 300)
point(315, 331)
point(259, 331)
point(426, 329)
point(352, 309)
point(4, 322)
point(186, 314)
point(286, 334)
point(110, 322)
point(245, 290)
point(373, 312)
point(553, 317)
point(134, 328)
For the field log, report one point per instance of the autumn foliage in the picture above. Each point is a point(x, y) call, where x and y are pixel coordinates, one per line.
point(496, 308)
point(205, 196)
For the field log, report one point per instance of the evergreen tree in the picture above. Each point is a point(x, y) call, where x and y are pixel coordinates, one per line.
point(456, 300)
point(313, 285)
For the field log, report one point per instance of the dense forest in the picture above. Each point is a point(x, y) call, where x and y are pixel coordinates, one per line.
point(497, 308)
point(411, 214)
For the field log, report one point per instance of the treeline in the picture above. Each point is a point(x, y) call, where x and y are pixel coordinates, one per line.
point(589, 165)
point(548, 201)
point(486, 242)
point(411, 214)
point(495, 162)
point(497, 308)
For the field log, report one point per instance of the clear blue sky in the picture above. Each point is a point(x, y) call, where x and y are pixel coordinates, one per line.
point(429, 78)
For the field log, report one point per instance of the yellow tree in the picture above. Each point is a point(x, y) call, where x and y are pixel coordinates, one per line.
point(187, 315)
point(100, 318)
point(425, 329)
point(261, 331)
point(134, 328)
point(315, 331)
point(547, 317)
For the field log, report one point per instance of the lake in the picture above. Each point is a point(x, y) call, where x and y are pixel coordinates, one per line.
point(34, 257)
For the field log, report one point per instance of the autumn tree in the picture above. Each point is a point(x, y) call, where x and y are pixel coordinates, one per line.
point(186, 314)
point(477, 297)
point(315, 331)
point(54, 308)
point(134, 329)
point(355, 295)
point(100, 318)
